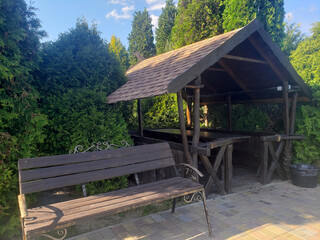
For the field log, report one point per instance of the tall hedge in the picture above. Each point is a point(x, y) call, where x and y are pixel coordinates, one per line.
point(21, 124)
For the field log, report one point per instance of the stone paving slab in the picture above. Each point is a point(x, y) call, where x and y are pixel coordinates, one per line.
point(274, 211)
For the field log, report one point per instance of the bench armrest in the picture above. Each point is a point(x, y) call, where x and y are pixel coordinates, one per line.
point(190, 167)
point(22, 205)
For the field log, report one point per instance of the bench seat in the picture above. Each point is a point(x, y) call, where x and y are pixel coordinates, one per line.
point(54, 216)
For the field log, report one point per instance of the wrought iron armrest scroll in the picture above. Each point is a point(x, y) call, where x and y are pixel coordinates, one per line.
point(190, 167)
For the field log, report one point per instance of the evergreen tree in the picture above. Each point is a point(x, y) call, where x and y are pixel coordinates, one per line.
point(141, 36)
point(21, 124)
point(200, 20)
point(120, 51)
point(238, 13)
point(165, 24)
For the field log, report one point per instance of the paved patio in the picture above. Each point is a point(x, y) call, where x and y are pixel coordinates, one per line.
point(274, 211)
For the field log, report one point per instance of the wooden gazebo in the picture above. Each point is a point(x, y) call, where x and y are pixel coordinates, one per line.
point(241, 66)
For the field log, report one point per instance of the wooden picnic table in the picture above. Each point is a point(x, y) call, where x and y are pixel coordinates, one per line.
point(222, 142)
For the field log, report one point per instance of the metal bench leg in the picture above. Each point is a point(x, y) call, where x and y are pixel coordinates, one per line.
point(203, 195)
point(62, 234)
point(174, 205)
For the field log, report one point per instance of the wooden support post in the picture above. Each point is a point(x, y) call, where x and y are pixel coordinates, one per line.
point(205, 112)
point(188, 112)
point(196, 121)
point(286, 159)
point(228, 168)
point(264, 163)
point(183, 128)
point(229, 113)
point(286, 107)
point(140, 118)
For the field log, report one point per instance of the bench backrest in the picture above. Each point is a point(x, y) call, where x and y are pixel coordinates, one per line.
point(44, 173)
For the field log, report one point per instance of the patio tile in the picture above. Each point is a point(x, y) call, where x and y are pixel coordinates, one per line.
point(270, 212)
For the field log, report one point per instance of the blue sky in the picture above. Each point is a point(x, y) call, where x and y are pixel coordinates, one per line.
point(115, 16)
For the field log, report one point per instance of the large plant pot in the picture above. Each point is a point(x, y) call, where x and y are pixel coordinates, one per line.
point(304, 175)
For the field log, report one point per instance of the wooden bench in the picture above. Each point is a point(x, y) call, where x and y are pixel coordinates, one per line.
point(45, 173)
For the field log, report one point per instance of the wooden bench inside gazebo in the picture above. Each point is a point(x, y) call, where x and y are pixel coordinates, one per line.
point(243, 66)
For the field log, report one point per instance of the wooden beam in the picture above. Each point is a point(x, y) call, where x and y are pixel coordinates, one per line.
point(216, 69)
point(183, 128)
point(233, 75)
point(195, 86)
point(272, 63)
point(278, 138)
point(140, 118)
point(245, 59)
point(229, 113)
point(196, 121)
point(268, 100)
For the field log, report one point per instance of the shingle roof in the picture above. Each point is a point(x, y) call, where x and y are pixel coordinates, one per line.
point(171, 71)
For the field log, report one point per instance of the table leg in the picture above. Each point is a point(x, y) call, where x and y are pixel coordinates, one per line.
point(228, 168)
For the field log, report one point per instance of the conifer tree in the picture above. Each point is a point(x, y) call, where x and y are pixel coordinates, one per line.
point(120, 51)
point(238, 13)
point(141, 36)
point(165, 24)
point(200, 20)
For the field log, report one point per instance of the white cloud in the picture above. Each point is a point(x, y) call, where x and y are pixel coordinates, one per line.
point(125, 13)
point(157, 6)
point(152, 1)
point(289, 16)
point(154, 21)
point(313, 8)
point(117, 2)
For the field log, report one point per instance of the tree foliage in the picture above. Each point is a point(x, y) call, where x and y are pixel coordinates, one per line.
point(238, 13)
point(161, 111)
point(141, 36)
point(116, 47)
point(292, 38)
point(165, 24)
point(21, 124)
point(196, 21)
point(306, 59)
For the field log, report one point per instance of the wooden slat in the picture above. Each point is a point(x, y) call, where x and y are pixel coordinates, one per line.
point(89, 156)
point(103, 197)
point(69, 180)
point(41, 173)
point(77, 205)
point(158, 195)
